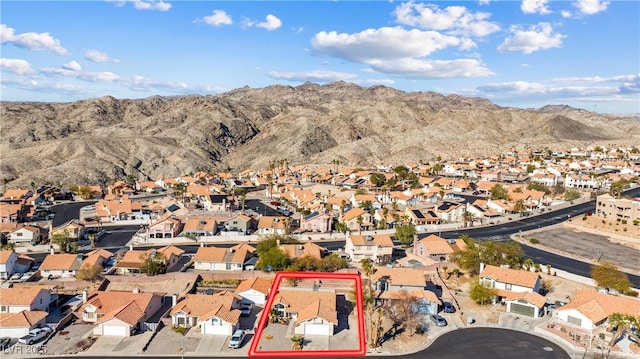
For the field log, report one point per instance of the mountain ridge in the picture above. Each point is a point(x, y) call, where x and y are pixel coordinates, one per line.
point(101, 139)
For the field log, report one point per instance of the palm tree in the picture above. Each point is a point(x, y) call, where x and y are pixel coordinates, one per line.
point(360, 220)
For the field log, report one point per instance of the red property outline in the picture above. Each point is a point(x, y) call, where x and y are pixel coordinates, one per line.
point(362, 348)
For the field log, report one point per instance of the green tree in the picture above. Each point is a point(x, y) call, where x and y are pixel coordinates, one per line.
point(571, 194)
point(63, 240)
point(519, 206)
point(530, 168)
point(405, 233)
point(155, 263)
point(402, 173)
point(89, 272)
point(607, 275)
point(273, 259)
point(618, 187)
point(494, 253)
point(622, 323)
point(498, 192)
point(377, 179)
point(480, 293)
point(536, 186)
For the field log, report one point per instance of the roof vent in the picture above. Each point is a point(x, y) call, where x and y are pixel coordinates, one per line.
point(368, 238)
point(231, 250)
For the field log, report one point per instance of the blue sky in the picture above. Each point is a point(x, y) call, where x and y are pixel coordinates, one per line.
point(530, 53)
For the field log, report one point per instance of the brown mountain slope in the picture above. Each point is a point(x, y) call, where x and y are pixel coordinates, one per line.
point(100, 139)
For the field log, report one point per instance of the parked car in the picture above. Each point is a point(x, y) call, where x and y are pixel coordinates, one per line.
point(448, 307)
point(236, 339)
point(5, 342)
point(35, 335)
point(438, 320)
point(15, 277)
point(245, 309)
point(26, 276)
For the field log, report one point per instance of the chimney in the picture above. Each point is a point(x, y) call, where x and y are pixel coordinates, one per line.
point(52, 250)
point(136, 290)
point(481, 266)
point(174, 300)
point(278, 242)
point(85, 296)
point(130, 247)
point(201, 244)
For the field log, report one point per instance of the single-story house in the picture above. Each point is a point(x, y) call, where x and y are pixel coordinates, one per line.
point(214, 314)
point(589, 309)
point(16, 325)
point(254, 290)
point(313, 311)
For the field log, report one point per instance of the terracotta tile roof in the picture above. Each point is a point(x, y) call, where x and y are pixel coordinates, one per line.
point(417, 294)
point(200, 224)
point(381, 240)
point(5, 255)
point(512, 276)
point(24, 318)
point(309, 303)
point(401, 276)
point(95, 256)
point(133, 259)
point(169, 250)
point(129, 313)
point(437, 245)
point(533, 298)
point(271, 222)
point(258, 283)
point(302, 250)
point(15, 193)
point(236, 254)
point(116, 304)
point(352, 213)
point(19, 296)
point(61, 261)
point(599, 306)
point(208, 306)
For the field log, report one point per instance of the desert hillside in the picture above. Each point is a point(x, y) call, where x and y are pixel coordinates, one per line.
point(98, 140)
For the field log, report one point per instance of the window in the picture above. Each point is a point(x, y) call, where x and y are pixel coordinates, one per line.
point(3, 309)
point(228, 266)
point(18, 234)
point(507, 286)
point(574, 320)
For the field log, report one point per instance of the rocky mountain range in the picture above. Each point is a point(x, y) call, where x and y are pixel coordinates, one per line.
point(98, 140)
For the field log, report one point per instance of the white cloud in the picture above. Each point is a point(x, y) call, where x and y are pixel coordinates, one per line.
point(455, 19)
point(97, 56)
point(537, 37)
point(432, 69)
point(31, 40)
point(590, 7)
point(313, 76)
point(484, 2)
point(535, 7)
point(46, 87)
point(271, 23)
point(218, 18)
point(382, 43)
point(151, 5)
point(72, 66)
point(375, 82)
point(16, 66)
point(141, 83)
point(566, 13)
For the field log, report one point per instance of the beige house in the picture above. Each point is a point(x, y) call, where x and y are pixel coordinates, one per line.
point(313, 311)
point(618, 208)
point(216, 314)
point(18, 299)
point(73, 229)
point(225, 259)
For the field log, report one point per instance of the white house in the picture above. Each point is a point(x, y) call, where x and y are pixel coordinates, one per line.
point(525, 303)
point(27, 235)
point(589, 309)
point(61, 265)
point(378, 248)
point(313, 311)
point(8, 261)
point(254, 290)
point(226, 259)
point(17, 299)
point(506, 279)
point(16, 325)
point(215, 314)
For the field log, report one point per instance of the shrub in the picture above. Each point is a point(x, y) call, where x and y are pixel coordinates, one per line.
point(584, 218)
point(179, 329)
point(534, 241)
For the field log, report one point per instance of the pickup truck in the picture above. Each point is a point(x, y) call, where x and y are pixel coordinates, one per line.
point(35, 335)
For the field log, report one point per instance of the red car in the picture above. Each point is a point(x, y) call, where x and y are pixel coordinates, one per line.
point(275, 203)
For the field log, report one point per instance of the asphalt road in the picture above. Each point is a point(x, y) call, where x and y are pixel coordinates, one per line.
point(476, 343)
point(67, 211)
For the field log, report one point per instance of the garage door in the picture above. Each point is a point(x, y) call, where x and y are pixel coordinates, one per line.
point(522, 309)
point(115, 330)
point(217, 329)
point(13, 332)
point(317, 329)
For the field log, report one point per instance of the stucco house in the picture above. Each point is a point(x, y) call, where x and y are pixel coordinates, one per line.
point(507, 279)
point(61, 265)
point(74, 230)
point(317, 221)
point(272, 225)
point(25, 235)
point(437, 248)
point(8, 261)
point(313, 311)
point(17, 299)
point(17, 325)
point(215, 314)
point(590, 309)
point(118, 313)
point(378, 248)
point(254, 290)
point(168, 227)
point(225, 259)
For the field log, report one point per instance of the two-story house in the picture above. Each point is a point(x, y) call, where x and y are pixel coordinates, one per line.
point(241, 223)
point(72, 229)
point(511, 286)
point(398, 283)
point(22, 309)
point(25, 235)
point(8, 261)
point(437, 249)
point(378, 248)
point(317, 221)
point(357, 219)
point(168, 227)
point(134, 260)
point(272, 225)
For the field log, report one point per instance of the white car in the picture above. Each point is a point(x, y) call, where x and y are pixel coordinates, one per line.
point(35, 335)
point(236, 339)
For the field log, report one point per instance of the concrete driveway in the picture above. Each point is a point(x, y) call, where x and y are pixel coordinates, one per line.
point(104, 344)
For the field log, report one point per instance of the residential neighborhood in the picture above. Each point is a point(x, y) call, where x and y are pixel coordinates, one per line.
point(195, 269)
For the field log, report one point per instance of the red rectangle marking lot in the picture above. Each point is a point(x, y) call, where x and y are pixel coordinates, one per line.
point(362, 346)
